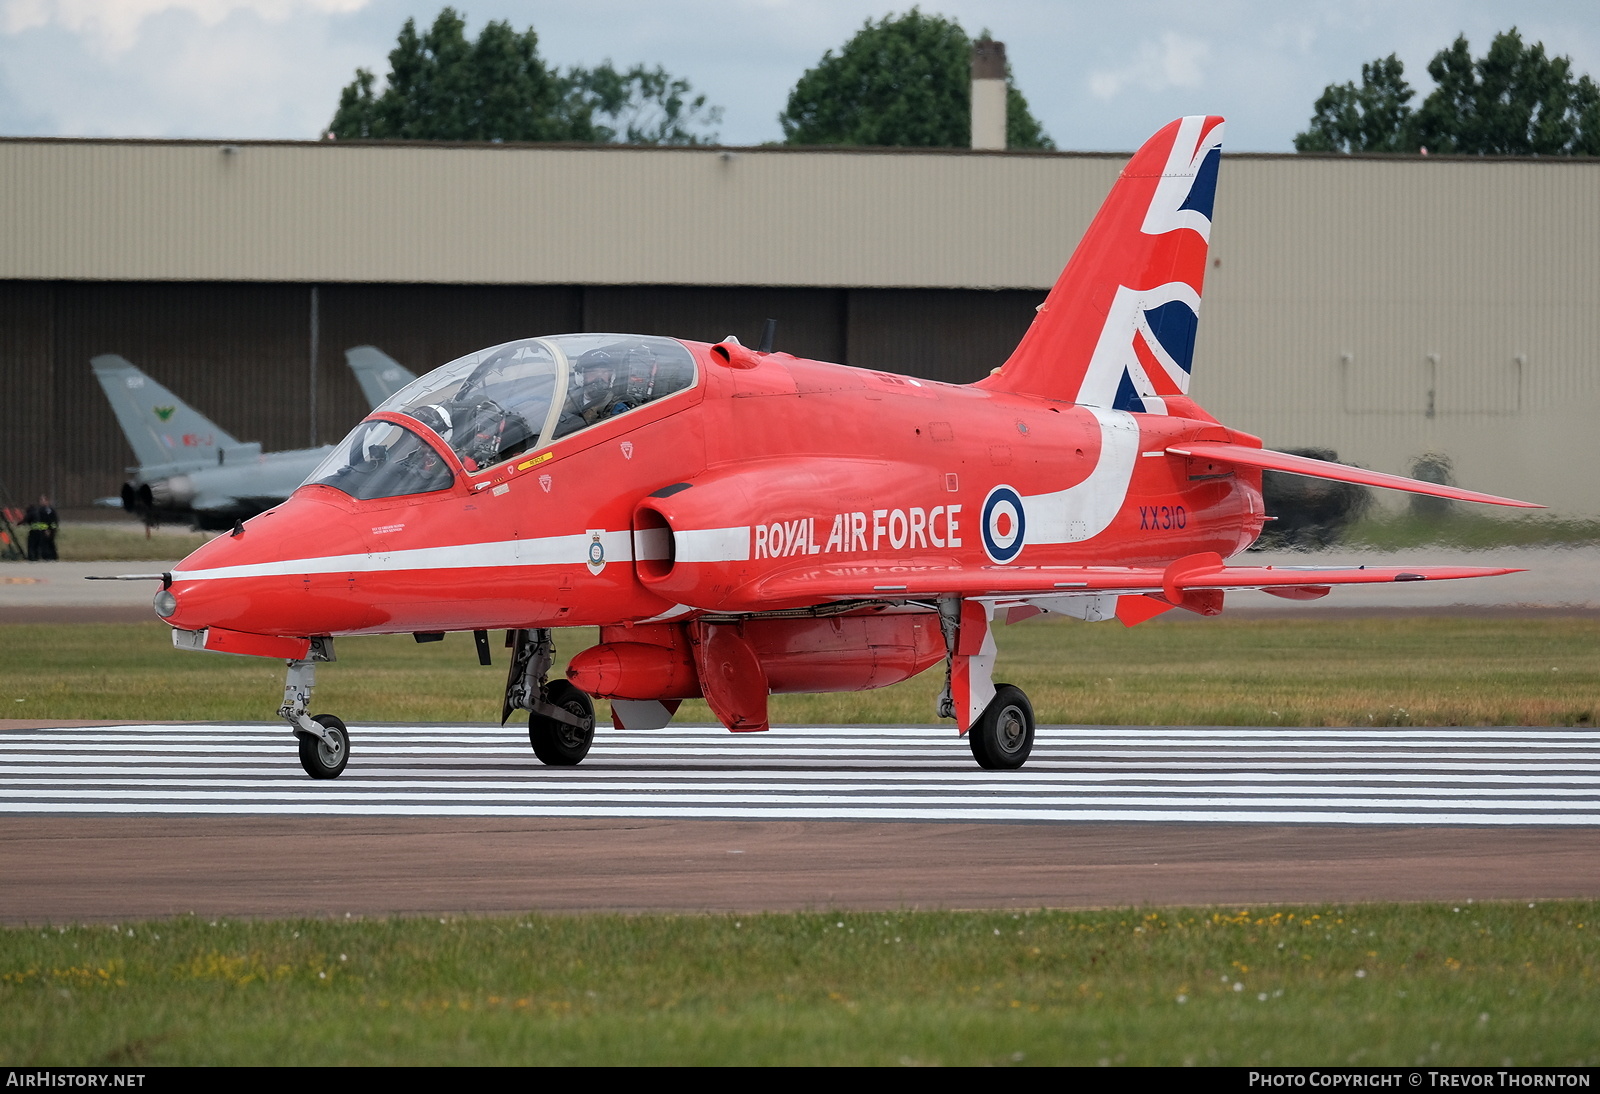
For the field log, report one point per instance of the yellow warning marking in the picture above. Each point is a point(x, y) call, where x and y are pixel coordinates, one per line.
point(535, 462)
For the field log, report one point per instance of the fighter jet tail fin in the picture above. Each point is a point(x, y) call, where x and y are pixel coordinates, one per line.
point(1118, 329)
point(161, 428)
point(379, 374)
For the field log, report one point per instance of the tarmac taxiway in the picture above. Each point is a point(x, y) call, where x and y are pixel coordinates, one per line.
point(104, 823)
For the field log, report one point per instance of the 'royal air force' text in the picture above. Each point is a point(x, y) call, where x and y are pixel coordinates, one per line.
point(901, 529)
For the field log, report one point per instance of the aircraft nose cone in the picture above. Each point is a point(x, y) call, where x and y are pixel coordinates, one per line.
point(257, 577)
point(208, 588)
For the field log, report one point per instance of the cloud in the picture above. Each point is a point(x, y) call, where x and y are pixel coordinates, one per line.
point(114, 25)
point(252, 74)
point(1175, 61)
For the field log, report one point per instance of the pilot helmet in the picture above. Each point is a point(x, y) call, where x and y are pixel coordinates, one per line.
point(437, 418)
point(595, 372)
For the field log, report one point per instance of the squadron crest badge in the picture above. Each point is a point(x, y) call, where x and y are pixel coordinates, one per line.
point(596, 559)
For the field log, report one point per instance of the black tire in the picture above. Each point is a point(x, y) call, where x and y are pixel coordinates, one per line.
point(1003, 737)
point(325, 759)
point(556, 743)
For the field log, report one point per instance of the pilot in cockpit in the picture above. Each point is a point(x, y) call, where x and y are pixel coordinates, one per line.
point(436, 417)
point(594, 395)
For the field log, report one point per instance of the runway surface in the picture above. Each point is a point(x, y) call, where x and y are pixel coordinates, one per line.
point(107, 823)
point(1505, 776)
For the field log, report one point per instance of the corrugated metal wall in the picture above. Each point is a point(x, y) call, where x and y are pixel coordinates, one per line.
point(1385, 307)
point(27, 392)
point(172, 211)
point(241, 354)
point(1389, 308)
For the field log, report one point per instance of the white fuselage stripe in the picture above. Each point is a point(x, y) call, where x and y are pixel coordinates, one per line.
point(693, 545)
point(548, 551)
point(713, 544)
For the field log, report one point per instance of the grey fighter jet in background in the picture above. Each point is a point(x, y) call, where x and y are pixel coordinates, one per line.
point(191, 471)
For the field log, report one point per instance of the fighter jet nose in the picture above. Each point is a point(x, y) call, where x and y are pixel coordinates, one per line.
point(254, 578)
point(202, 593)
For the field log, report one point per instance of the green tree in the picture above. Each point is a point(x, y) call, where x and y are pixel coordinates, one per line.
point(1514, 101)
point(903, 81)
point(443, 87)
point(1374, 117)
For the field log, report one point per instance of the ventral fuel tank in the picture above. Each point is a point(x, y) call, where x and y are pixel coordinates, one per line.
point(841, 653)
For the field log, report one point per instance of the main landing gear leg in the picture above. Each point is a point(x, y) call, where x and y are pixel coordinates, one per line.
point(997, 719)
point(561, 718)
point(324, 740)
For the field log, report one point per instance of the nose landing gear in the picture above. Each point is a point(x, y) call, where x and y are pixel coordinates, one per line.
point(324, 740)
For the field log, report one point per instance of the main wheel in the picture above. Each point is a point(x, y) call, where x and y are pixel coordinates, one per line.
point(1002, 738)
point(325, 759)
point(557, 743)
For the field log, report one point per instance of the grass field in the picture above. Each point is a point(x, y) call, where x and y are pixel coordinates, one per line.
point(1451, 670)
point(1492, 984)
point(125, 542)
point(1467, 528)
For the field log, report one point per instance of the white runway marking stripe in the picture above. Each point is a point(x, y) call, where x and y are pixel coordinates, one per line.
point(1503, 776)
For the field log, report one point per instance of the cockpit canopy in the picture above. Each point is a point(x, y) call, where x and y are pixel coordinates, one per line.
point(504, 401)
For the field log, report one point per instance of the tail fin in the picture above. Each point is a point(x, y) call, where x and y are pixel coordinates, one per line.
point(379, 374)
point(1117, 331)
point(160, 427)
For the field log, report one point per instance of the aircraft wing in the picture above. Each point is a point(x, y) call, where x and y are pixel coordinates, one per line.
point(1268, 460)
point(1195, 582)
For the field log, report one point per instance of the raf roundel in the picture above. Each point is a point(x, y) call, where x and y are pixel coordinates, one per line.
point(1004, 524)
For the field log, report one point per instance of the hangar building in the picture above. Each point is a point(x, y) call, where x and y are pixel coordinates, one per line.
point(1384, 307)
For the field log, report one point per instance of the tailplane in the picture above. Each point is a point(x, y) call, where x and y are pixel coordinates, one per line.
point(379, 374)
point(1118, 329)
point(160, 427)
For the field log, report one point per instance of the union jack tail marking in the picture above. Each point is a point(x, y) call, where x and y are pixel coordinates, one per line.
point(1118, 329)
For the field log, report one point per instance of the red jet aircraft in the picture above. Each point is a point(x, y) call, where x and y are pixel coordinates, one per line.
point(739, 522)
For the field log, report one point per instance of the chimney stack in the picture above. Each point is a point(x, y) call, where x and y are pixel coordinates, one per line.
point(989, 95)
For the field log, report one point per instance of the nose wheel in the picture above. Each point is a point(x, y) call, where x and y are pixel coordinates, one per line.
point(1002, 738)
point(324, 757)
point(324, 740)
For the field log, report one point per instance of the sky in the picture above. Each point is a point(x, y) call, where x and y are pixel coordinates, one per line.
point(1099, 76)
